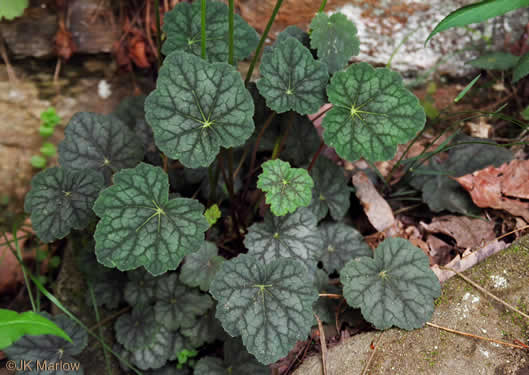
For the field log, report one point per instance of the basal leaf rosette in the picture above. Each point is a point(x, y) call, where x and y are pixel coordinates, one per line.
point(334, 37)
point(330, 192)
point(292, 79)
point(197, 107)
point(395, 288)
point(140, 226)
point(61, 200)
point(372, 113)
point(269, 306)
point(99, 142)
point(182, 26)
point(291, 236)
point(285, 188)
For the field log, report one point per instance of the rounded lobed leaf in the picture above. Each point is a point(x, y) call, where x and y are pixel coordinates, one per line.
point(177, 304)
point(285, 188)
point(291, 236)
point(197, 107)
point(292, 79)
point(140, 226)
point(335, 39)
point(182, 26)
point(61, 200)
point(206, 329)
point(341, 243)
point(395, 288)
point(269, 306)
point(330, 192)
point(136, 329)
point(200, 267)
point(157, 353)
point(99, 142)
point(372, 113)
point(140, 288)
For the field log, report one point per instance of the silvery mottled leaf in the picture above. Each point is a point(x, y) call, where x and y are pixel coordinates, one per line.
point(200, 267)
point(140, 288)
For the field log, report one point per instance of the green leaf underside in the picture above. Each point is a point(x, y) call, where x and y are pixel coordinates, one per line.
point(495, 61)
point(335, 39)
point(99, 142)
point(292, 79)
point(200, 267)
point(137, 329)
point(269, 306)
point(477, 12)
point(521, 69)
point(236, 361)
point(291, 236)
point(197, 107)
point(341, 243)
point(176, 303)
point(182, 26)
point(14, 325)
point(395, 288)
point(50, 348)
point(140, 288)
point(157, 353)
point(140, 226)
point(330, 192)
point(285, 188)
point(372, 113)
point(61, 200)
point(440, 191)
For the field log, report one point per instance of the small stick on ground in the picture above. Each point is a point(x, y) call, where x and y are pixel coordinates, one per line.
point(328, 295)
point(323, 344)
point(480, 288)
point(366, 367)
point(10, 71)
point(475, 336)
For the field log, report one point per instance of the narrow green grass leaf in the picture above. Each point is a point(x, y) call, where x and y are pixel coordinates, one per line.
point(466, 89)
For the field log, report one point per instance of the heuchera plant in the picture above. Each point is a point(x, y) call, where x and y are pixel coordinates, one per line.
point(146, 174)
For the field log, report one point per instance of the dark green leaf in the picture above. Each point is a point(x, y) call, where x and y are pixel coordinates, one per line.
point(372, 113)
point(140, 226)
point(341, 243)
point(286, 188)
point(292, 79)
point(61, 200)
point(130, 110)
point(521, 69)
point(50, 348)
point(157, 353)
point(182, 27)
point(14, 325)
point(395, 288)
point(270, 306)
point(136, 330)
point(206, 329)
point(335, 39)
point(198, 107)
point(99, 142)
point(108, 290)
point(200, 267)
point(291, 236)
point(140, 288)
point(330, 192)
point(495, 61)
point(477, 12)
point(177, 304)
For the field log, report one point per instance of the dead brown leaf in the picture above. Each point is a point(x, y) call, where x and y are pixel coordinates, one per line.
point(375, 206)
point(498, 188)
point(438, 250)
point(466, 231)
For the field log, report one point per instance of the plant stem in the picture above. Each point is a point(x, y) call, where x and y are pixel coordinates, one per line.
point(203, 29)
point(158, 32)
point(322, 6)
point(230, 33)
point(315, 157)
point(475, 336)
point(283, 139)
point(98, 319)
point(261, 42)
